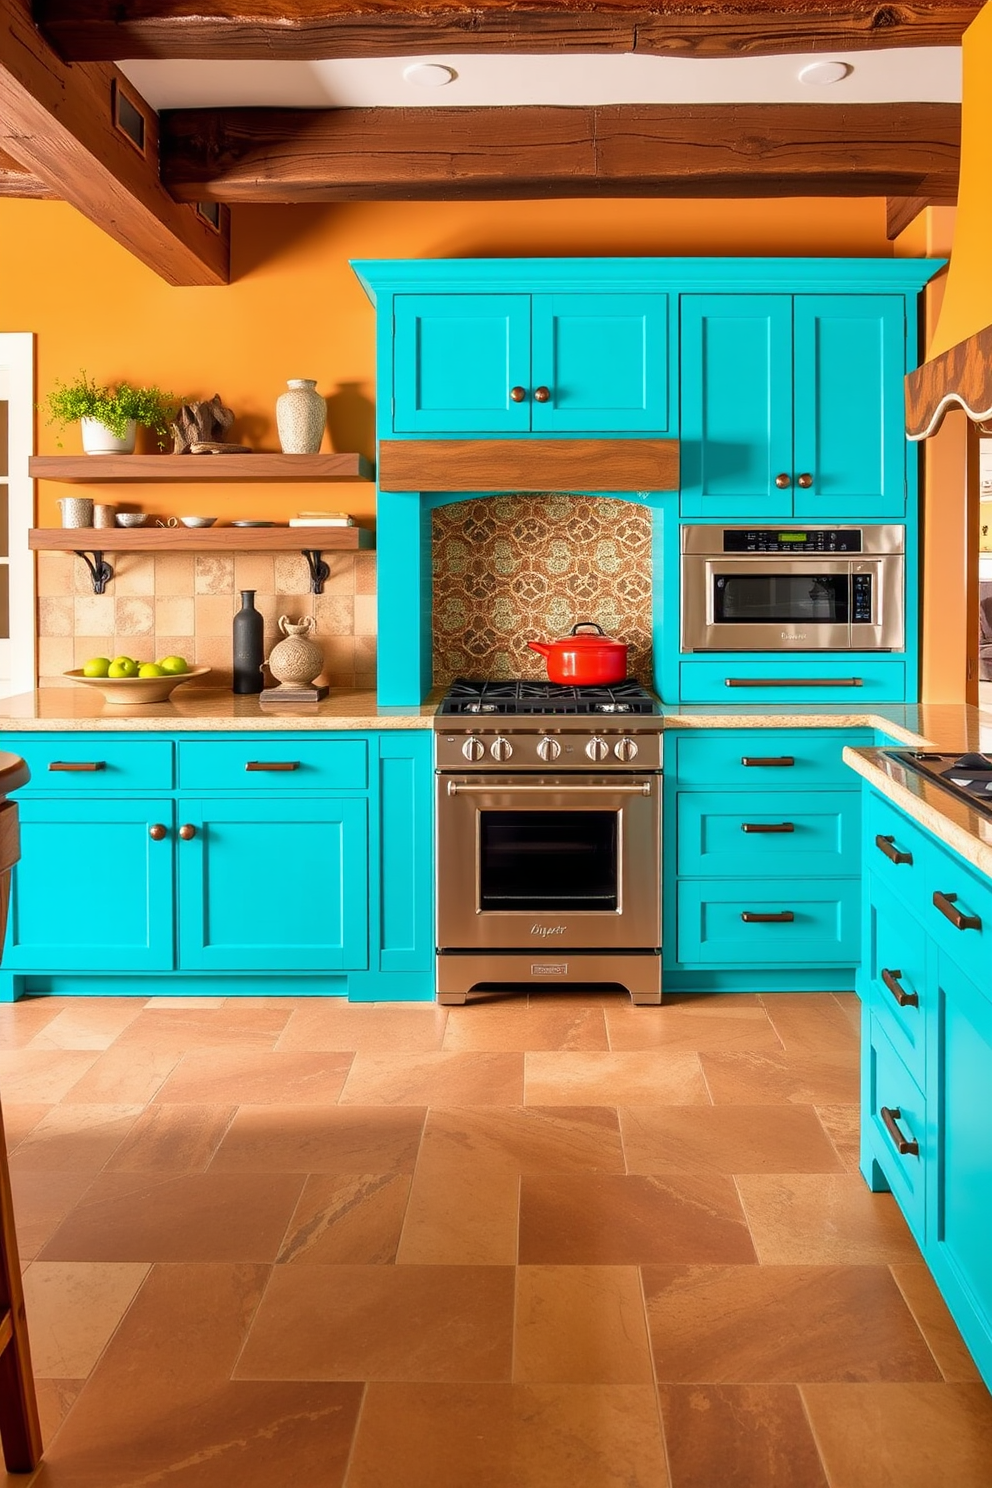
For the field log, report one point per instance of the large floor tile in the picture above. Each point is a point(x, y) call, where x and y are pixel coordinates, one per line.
point(20, 1118)
point(28, 1076)
point(523, 1139)
point(842, 1124)
point(903, 1436)
point(688, 1026)
point(124, 1076)
point(457, 1216)
point(73, 1308)
point(812, 1023)
point(256, 1077)
point(322, 1139)
point(82, 1137)
point(347, 1220)
point(435, 1079)
point(42, 1199)
point(642, 1077)
point(56, 1398)
point(822, 1219)
point(384, 1028)
point(88, 1023)
point(227, 1026)
point(725, 1139)
point(580, 1325)
point(935, 1322)
point(509, 1436)
point(413, 1323)
point(182, 1217)
point(510, 1026)
point(608, 1220)
point(768, 1324)
point(22, 1021)
point(739, 1436)
point(172, 1139)
point(746, 1079)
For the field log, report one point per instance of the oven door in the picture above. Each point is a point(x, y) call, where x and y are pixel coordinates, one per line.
point(542, 860)
point(768, 603)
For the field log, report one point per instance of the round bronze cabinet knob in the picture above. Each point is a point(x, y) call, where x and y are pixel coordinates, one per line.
point(156, 831)
point(805, 480)
point(783, 481)
point(542, 394)
point(518, 394)
point(187, 831)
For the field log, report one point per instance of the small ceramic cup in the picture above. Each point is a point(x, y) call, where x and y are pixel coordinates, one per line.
point(77, 511)
point(103, 515)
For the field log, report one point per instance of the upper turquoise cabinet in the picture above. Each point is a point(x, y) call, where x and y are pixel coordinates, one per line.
point(792, 406)
point(568, 363)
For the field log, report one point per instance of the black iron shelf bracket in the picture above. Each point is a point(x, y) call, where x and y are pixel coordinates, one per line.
point(319, 570)
point(100, 570)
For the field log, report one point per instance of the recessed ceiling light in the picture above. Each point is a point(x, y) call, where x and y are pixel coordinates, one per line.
point(429, 74)
point(819, 74)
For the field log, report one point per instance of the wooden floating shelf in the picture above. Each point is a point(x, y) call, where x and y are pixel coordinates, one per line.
point(162, 469)
point(200, 539)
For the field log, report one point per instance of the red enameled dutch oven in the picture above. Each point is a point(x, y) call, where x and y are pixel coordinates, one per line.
point(584, 660)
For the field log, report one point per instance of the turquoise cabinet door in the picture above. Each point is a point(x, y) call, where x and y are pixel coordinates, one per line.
point(406, 852)
point(736, 417)
point(850, 440)
point(604, 361)
point(274, 886)
point(93, 890)
point(456, 357)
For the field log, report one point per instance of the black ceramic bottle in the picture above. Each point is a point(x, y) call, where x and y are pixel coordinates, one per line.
point(248, 645)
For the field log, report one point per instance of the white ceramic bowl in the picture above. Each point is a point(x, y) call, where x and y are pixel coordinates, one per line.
point(137, 689)
point(131, 519)
point(198, 521)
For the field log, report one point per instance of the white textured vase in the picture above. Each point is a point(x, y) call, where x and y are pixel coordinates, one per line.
point(297, 659)
point(301, 414)
point(98, 440)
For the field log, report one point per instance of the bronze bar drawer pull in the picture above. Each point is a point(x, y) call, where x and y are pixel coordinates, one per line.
point(71, 766)
point(272, 765)
point(894, 854)
point(767, 827)
point(945, 903)
point(903, 1145)
point(890, 979)
point(793, 682)
point(785, 917)
point(779, 761)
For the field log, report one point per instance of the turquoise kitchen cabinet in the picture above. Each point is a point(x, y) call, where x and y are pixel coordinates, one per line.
point(792, 407)
point(802, 677)
point(467, 364)
point(926, 989)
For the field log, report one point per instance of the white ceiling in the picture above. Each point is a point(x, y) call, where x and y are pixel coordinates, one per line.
point(894, 75)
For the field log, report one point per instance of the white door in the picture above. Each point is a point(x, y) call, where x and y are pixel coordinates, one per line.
point(17, 585)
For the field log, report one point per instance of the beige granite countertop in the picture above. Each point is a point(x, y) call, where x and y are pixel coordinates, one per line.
point(201, 709)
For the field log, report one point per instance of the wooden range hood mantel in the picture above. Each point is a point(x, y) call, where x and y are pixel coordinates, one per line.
point(960, 377)
point(529, 464)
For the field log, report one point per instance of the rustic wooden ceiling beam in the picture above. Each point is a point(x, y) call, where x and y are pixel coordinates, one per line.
point(16, 181)
point(111, 30)
point(58, 122)
point(300, 155)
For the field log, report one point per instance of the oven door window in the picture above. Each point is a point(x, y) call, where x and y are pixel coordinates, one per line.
point(781, 599)
point(548, 860)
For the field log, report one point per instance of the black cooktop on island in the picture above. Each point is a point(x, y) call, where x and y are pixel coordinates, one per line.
point(966, 775)
point(469, 697)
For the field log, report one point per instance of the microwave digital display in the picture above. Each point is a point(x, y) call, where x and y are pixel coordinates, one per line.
point(792, 537)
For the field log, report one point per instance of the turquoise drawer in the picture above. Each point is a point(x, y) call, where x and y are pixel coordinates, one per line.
point(896, 852)
point(796, 679)
point(897, 1117)
point(768, 833)
point(958, 913)
point(262, 763)
point(824, 924)
point(89, 763)
point(896, 962)
point(766, 759)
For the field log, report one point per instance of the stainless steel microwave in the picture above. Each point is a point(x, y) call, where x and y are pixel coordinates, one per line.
point(793, 588)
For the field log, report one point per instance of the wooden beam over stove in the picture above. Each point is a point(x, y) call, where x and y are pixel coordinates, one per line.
point(110, 30)
point(298, 155)
point(58, 122)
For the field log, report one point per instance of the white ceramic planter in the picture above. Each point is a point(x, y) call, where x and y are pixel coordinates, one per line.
point(98, 440)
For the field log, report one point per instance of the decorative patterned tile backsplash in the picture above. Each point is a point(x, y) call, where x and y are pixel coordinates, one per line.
point(512, 569)
point(183, 604)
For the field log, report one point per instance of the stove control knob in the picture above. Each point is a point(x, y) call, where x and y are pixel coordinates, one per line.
point(625, 749)
point(597, 749)
point(501, 749)
point(473, 749)
point(548, 749)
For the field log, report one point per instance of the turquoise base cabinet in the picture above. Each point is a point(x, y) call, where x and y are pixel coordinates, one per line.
point(926, 989)
point(260, 863)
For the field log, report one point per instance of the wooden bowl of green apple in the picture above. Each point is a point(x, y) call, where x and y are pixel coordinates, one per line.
point(124, 680)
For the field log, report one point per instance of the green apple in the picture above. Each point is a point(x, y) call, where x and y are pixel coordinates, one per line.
point(97, 666)
point(150, 669)
point(174, 666)
point(122, 666)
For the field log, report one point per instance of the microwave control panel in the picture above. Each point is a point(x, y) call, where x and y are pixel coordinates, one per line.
point(792, 540)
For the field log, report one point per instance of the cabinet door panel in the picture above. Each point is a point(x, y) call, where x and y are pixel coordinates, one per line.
point(279, 886)
point(849, 413)
point(93, 890)
point(604, 359)
point(736, 419)
point(456, 358)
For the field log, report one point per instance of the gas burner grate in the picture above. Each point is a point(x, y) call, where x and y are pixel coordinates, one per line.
point(469, 697)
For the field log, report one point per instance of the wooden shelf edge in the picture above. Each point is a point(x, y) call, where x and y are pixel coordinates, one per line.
point(199, 540)
point(159, 469)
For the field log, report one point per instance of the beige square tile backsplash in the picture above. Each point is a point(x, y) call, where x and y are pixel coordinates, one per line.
point(183, 604)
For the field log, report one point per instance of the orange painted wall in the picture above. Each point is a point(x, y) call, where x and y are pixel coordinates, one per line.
point(296, 310)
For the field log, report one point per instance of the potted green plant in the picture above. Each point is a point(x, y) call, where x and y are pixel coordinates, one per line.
point(108, 415)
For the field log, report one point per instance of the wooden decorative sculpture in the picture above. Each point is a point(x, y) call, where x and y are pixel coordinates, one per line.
point(199, 429)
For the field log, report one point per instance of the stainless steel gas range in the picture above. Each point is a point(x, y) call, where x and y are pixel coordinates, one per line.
point(548, 838)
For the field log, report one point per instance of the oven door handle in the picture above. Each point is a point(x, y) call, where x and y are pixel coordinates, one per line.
point(457, 789)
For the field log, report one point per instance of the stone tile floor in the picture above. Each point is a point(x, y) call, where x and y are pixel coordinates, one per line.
point(544, 1243)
